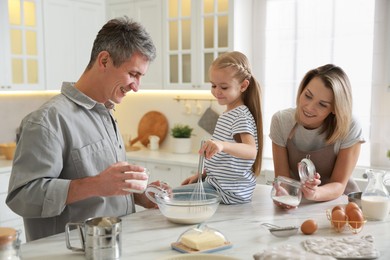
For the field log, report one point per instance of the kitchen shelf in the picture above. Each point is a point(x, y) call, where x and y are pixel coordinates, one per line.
point(178, 99)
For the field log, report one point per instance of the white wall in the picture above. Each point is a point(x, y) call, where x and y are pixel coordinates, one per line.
point(378, 142)
point(380, 110)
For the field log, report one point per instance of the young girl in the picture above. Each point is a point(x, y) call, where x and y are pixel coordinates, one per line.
point(233, 155)
point(321, 126)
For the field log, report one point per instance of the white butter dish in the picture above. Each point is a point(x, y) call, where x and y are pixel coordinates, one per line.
point(201, 239)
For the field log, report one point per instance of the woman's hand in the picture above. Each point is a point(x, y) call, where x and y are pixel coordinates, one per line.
point(280, 191)
point(310, 187)
point(284, 206)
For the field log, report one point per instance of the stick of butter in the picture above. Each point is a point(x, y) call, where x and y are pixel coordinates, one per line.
point(202, 240)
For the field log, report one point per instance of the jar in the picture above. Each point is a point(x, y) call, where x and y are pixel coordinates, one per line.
point(143, 183)
point(9, 244)
point(375, 198)
point(286, 191)
point(306, 169)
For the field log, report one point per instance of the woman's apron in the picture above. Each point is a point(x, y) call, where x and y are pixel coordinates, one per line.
point(324, 160)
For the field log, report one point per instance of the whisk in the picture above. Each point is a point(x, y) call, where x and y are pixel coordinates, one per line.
point(198, 194)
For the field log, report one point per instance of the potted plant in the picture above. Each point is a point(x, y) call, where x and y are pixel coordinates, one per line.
point(182, 142)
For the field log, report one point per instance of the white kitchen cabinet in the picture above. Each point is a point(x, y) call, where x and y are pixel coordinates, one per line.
point(197, 32)
point(187, 172)
point(7, 217)
point(21, 46)
point(168, 173)
point(165, 166)
point(149, 14)
point(70, 28)
point(137, 162)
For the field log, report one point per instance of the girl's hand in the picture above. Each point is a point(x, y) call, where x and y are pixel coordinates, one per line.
point(309, 187)
point(210, 148)
point(191, 179)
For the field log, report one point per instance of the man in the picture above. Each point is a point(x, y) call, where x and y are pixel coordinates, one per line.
point(70, 156)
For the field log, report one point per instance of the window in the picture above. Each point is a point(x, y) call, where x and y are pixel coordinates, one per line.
point(300, 35)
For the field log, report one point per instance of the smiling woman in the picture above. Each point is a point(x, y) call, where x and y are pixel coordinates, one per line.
point(297, 39)
point(316, 103)
point(322, 128)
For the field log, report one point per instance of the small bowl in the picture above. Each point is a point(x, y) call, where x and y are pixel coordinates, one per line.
point(355, 197)
point(178, 207)
point(286, 191)
point(8, 150)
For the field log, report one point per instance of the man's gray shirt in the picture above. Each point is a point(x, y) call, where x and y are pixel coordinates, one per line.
point(69, 137)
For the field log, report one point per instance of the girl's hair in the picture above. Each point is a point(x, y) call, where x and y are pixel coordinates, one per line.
point(337, 125)
point(251, 97)
point(122, 37)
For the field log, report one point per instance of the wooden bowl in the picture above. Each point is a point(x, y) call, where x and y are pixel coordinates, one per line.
point(8, 150)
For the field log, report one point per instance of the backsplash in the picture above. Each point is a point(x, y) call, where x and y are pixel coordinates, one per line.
point(135, 105)
point(14, 107)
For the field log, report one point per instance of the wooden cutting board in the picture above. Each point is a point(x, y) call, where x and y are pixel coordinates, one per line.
point(152, 123)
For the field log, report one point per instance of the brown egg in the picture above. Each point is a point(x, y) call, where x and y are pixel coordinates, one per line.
point(355, 218)
point(351, 205)
point(339, 219)
point(337, 207)
point(309, 226)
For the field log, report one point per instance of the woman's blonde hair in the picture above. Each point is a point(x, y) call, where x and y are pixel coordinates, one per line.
point(337, 124)
point(251, 97)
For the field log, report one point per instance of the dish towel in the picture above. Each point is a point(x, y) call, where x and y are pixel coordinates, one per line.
point(346, 247)
point(288, 252)
point(208, 120)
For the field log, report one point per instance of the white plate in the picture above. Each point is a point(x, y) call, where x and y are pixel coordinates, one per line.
point(199, 257)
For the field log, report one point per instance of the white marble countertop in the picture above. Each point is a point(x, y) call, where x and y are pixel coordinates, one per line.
point(160, 156)
point(163, 156)
point(167, 157)
point(148, 235)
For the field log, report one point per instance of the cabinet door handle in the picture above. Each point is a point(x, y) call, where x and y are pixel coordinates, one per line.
point(162, 168)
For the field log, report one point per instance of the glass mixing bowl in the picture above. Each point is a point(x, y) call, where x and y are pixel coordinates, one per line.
point(178, 207)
